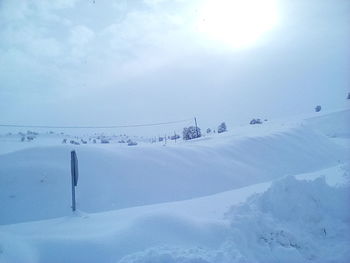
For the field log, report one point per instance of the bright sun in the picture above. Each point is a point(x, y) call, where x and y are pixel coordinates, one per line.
point(236, 23)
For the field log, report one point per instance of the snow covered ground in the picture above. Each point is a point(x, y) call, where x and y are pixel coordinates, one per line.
point(276, 192)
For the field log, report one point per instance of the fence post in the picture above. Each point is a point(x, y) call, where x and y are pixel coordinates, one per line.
point(74, 175)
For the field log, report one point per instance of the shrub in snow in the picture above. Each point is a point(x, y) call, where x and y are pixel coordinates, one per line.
point(64, 141)
point(23, 138)
point(191, 133)
point(348, 96)
point(208, 130)
point(32, 133)
point(30, 138)
point(256, 121)
point(222, 127)
point(175, 137)
point(74, 142)
point(131, 143)
point(104, 140)
point(318, 108)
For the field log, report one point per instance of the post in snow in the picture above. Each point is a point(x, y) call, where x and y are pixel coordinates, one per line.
point(75, 174)
point(195, 122)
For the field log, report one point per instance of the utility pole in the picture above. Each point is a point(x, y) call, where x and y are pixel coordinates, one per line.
point(195, 122)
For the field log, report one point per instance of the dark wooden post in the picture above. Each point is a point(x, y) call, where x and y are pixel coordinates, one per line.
point(74, 174)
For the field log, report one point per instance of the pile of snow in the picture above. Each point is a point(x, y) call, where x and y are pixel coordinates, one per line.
point(293, 221)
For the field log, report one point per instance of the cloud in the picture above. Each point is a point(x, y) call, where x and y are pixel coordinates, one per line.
point(147, 56)
point(80, 37)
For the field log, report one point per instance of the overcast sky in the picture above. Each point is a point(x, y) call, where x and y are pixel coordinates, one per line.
point(104, 62)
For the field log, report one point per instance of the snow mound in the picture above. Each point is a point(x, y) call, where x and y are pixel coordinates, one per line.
point(293, 221)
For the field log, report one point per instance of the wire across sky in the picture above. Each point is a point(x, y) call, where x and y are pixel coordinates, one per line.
point(94, 127)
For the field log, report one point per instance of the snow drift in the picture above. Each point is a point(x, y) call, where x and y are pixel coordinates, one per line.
point(35, 182)
point(293, 221)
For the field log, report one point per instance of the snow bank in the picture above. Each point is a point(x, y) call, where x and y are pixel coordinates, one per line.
point(35, 183)
point(293, 221)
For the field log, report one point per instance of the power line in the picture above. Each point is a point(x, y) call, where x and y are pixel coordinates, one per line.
point(93, 127)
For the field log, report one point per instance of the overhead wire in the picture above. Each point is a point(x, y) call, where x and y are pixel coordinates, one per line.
point(93, 127)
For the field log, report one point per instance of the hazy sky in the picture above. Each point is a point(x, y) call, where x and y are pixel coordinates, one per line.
point(104, 62)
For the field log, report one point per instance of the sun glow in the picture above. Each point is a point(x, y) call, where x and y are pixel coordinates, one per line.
point(236, 23)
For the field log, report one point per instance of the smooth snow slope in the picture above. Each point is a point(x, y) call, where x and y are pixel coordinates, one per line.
point(35, 183)
point(335, 124)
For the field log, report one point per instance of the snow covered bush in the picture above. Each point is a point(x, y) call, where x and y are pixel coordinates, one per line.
point(30, 138)
point(256, 121)
point(104, 140)
point(318, 108)
point(131, 142)
point(208, 130)
point(222, 127)
point(32, 133)
point(191, 133)
point(175, 137)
